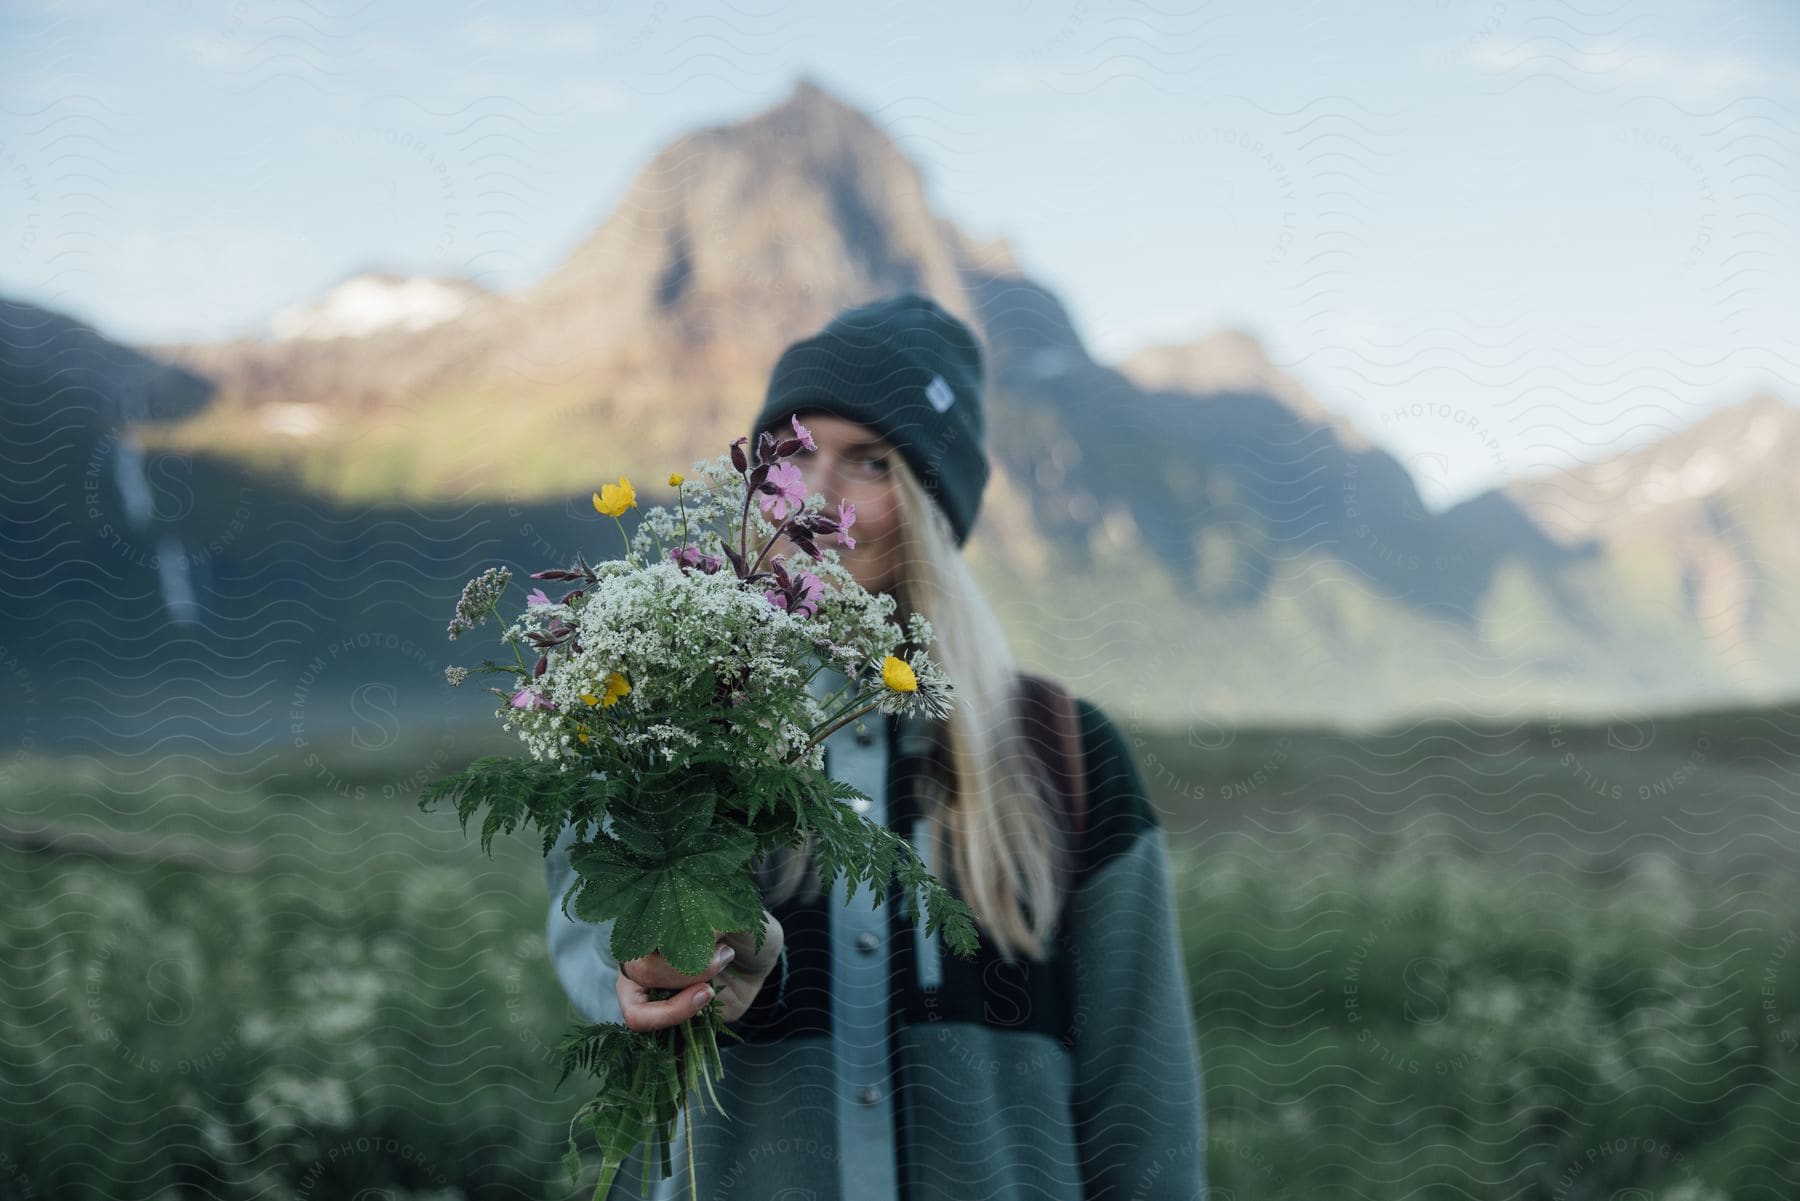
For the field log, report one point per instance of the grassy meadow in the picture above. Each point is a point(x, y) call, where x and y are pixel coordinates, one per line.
point(1555, 961)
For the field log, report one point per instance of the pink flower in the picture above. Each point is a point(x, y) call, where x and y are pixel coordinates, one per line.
point(536, 598)
point(806, 591)
point(690, 556)
point(531, 698)
point(785, 489)
point(802, 433)
point(811, 589)
point(846, 519)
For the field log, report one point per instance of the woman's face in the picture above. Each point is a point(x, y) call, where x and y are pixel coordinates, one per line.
point(855, 464)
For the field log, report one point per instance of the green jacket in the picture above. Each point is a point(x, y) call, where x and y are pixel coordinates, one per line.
point(880, 1066)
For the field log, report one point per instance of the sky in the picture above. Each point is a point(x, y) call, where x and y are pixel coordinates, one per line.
point(1499, 236)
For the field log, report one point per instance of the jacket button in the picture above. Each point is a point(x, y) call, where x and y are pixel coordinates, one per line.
point(864, 735)
point(868, 1094)
point(866, 941)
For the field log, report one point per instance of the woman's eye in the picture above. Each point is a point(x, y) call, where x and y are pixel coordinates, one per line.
point(874, 462)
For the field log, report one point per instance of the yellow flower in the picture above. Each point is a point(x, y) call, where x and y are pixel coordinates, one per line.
point(583, 735)
point(616, 687)
point(590, 698)
point(897, 674)
point(675, 478)
point(614, 499)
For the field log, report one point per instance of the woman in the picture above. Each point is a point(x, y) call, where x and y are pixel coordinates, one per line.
point(1058, 1063)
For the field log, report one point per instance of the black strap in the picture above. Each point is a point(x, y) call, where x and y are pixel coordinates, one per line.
point(1053, 726)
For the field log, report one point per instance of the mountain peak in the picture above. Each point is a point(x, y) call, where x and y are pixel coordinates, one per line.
point(809, 95)
point(1213, 362)
point(809, 109)
point(782, 217)
point(1733, 447)
point(1231, 360)
point(813, 116)
point(1750, 427)
point(373, 301)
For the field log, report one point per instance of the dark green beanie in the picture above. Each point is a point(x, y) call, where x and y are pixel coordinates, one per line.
point(907, 369)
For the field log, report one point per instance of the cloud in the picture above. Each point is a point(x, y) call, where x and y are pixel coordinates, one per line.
point(1702, 78)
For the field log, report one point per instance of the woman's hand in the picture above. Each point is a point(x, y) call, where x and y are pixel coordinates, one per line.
point(737, 971)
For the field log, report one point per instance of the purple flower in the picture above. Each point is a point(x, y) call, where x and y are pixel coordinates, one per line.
point(785, 489)
point(531, 698)
point(846, 519)
point(802, 433)
point(536, 598)
point(798, 595)
point(690, 556)
point(478, 597)
point(811, 589)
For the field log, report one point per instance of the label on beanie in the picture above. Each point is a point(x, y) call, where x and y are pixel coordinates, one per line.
point(939, 394)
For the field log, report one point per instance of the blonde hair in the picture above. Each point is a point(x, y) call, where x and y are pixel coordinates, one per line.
point(988, 790)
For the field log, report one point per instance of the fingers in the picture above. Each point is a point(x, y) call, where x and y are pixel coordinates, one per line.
point(735, 996)
point(642, 1014)
point(742, 945)
point(638, 976)
point(751, 959)
point(653, 971)
point(736, 949)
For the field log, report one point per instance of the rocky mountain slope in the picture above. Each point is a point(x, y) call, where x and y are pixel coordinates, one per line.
point(1697, 527)
point(1186, 534)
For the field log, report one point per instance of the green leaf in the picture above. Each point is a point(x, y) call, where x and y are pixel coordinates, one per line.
point(515, 791)
point(638, 1092)
point(862, 852)
point(655, 826)
point(672, 904)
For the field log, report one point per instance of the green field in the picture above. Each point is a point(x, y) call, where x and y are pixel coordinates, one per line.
point(1536, 963)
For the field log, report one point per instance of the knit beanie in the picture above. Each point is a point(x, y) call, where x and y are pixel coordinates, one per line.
point(912, 372)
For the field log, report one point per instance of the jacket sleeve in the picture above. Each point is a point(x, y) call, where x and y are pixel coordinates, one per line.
point(1138, 1101)
point(580, 952)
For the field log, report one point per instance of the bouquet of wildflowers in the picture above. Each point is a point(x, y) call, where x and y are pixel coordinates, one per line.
point(664, 699)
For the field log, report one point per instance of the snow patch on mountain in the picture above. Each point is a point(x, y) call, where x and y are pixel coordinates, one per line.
point(371, 302)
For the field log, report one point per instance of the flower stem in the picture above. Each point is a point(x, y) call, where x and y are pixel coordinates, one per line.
point(494, 608)
point(686, 1114)
point(837, 725)
point(827, 722)
point(744, 523)
point(773, 538)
